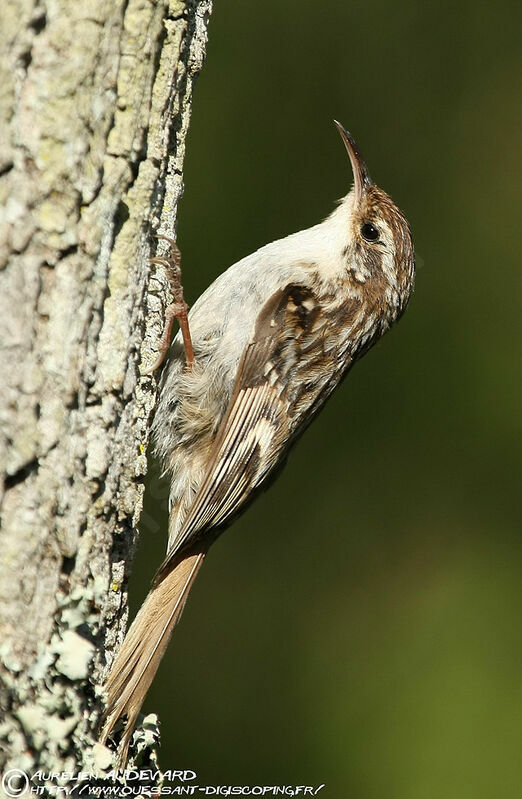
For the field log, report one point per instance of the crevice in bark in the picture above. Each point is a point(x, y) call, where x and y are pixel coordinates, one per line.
point(22, 474)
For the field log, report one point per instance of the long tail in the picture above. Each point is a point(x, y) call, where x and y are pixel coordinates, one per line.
point(139, 657)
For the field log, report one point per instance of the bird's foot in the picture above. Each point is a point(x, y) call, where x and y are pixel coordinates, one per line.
point(178, 309)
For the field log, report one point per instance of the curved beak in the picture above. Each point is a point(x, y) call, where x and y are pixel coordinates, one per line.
point(361, 176)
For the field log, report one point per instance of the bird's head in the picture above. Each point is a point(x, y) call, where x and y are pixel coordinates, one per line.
point(379, 243)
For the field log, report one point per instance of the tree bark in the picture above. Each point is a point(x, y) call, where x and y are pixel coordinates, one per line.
point(95, 100)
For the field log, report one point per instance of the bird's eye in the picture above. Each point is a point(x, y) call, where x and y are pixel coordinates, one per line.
point(369, 232)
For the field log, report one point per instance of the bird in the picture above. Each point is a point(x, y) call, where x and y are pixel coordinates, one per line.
point(255, 359)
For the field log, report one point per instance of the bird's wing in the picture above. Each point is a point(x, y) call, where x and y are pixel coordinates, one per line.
point(279, 372)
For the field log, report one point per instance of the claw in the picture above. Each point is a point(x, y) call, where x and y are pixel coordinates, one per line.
point(178, 309)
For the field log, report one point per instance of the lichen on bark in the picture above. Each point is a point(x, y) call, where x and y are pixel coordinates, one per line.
point(95, 106)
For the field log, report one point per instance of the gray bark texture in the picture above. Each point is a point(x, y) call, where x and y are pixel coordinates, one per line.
point(95, 101)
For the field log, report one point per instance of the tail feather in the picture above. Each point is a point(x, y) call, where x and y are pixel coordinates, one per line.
point(139, 657)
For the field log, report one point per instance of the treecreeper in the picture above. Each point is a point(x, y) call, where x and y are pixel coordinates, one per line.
point(255, 359)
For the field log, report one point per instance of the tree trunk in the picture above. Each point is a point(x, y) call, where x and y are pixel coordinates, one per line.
point(95, 101)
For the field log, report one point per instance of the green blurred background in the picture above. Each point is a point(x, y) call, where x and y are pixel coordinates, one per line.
point(360, 625)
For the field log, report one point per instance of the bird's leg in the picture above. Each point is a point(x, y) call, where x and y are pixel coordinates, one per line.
point(178, 309)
